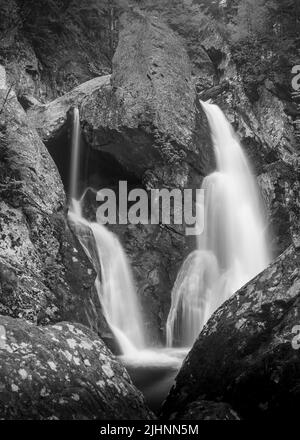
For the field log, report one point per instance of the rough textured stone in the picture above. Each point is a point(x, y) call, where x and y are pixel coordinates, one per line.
point(204, 410)
point(45, 275)
point(50, 119)
point(246, 354)
point(150, 117)
point(280, 187)
point(48, 48)
point(62, 372)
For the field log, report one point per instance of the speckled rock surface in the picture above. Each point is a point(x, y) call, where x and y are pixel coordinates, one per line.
point(62, 372)
point(45, 276)
point(247, 353)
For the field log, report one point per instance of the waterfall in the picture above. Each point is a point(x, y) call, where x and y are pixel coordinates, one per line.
point(116, 289)
point(75, 155)
point(232, 248)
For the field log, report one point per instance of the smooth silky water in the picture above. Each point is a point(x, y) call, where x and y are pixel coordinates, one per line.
point(233, 247)
point(152, 370)
point(231, 250)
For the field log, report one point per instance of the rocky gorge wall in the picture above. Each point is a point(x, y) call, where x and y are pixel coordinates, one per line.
point(143, 123)
point(125, 121)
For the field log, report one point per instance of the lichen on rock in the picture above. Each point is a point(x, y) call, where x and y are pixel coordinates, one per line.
point(245, 354)
point(39, 278)
point(44, 377)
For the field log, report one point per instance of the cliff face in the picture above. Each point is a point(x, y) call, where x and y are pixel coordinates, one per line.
point(50, 47)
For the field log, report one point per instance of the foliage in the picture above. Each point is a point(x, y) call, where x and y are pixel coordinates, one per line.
point(47, 22)
point(188, 18)
point(8, 17)
point(184, 16)
point(6, 99)
point(264, 38)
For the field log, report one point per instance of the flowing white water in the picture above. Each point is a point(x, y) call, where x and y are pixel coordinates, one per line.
point(116, 290)
point(75, 155)
point(232, 248)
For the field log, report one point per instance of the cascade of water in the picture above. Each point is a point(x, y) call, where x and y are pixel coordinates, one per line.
point(232, 248)
point(116, 290)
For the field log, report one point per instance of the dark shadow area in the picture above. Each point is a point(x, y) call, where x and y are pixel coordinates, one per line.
point(98, 169)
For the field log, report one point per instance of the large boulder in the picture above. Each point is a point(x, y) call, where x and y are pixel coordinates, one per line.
point(62, 372)
point(150, 117)
point(247, 353)
point(44, 274)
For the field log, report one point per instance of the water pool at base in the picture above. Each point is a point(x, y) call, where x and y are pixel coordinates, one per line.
point(153, 372)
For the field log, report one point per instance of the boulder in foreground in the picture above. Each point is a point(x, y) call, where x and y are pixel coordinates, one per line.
point(62, 372)
point(247, 355)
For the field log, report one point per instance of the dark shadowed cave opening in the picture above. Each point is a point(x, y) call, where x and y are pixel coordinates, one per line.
point(98, 169)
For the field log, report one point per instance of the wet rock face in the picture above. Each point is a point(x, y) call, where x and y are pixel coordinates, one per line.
point(62, 372)
point(247, 353)
point(44, 274)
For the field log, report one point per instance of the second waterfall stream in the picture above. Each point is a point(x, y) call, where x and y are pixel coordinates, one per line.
point(232, 248)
